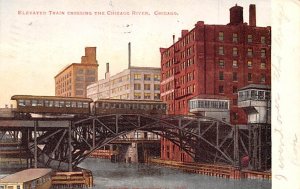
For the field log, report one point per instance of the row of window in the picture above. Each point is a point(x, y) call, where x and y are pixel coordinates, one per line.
point(137, 86)
point(64, 77)
point(146, 96)
point(250, 53)
point(53, 103)
point(235, 77)
point(235, 64)
point(140, 106)
point(147, 77)
point(254, 95)
point(209, 104)
point(235, 38)
point(185, 91)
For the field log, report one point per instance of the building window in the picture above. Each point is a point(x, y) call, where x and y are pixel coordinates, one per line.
point(249, 63)
point(147, 96)
point(234, 51)
point(263, 53)
point(221, 76)
point(156, 77)
point(137, 86)
point(221, 50)
point(137, 76)
point(262, 65)
point(79, 71)
point(137, 95)
point(235, 37)
point(234, 76)
point(221, 36)
point(147, 77)
point(263, 40)
point(156, 96)
point(263, 78)
point(250, 52)
point(146, 86)
point(156, 87)
point(249, 76)
point(249, 39)
point(221, 89)
point(234, 63)
point(221, 63)
point(234, 89)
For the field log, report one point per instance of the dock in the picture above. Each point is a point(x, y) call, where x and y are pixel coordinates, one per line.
point(223, 171)
point(77, 179)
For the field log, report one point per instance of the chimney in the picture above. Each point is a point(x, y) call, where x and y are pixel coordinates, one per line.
point(252, 15)
point(107, 75)
point(129, 55)
point(173, 39)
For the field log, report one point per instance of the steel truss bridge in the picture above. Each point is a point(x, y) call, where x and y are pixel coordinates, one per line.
point(62, 144)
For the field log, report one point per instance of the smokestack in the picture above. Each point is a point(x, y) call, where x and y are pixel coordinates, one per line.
point(107, 71)
point(107, 67)
point(252, 15)
point(129, 55)
point(173, 39)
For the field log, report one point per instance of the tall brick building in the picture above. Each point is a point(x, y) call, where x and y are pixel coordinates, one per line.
point(215, 60)
point(73, 79)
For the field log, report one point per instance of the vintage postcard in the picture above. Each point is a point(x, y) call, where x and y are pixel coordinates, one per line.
point(147, 94)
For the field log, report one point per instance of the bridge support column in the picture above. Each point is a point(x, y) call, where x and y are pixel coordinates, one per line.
point(35, 144)
point(70, 145)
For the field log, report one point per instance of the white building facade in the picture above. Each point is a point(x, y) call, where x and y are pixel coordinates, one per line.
point(134, 83)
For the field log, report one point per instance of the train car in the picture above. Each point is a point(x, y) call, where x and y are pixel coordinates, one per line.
point(53, 105)
point(29, 178)
point(114, 106)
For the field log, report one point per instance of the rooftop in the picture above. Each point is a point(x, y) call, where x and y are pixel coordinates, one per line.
point(25, 175)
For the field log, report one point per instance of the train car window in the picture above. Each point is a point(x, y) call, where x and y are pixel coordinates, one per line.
point(27, 103)
point(21, 102)
point(56, 103)
point(68, 104)
point(85, 105)
point(134, 106)
point(40, 103)
point(51, 103)
point(46, 103)
point(34, 103)
point(79, 104)
point(61, 104)
point(73, 104)
point(112, 105)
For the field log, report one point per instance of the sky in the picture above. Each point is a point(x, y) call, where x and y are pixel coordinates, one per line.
point(34, 48)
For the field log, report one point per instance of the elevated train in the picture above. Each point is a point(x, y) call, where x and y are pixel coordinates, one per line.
point(55, 105)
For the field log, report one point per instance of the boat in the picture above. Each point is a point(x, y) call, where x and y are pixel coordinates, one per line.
point(38, 178)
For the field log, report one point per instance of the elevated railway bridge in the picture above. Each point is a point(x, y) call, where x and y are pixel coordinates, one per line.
point(62, 143)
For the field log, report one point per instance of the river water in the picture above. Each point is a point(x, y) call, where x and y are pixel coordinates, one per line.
point(109, 175)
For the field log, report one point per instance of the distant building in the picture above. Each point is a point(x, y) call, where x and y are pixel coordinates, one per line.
point(212, 61)
point(138, 83)
point(73, 79)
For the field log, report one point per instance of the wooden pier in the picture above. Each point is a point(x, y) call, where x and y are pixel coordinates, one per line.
point(224, 171)
point(79, 179)
point(104, 154)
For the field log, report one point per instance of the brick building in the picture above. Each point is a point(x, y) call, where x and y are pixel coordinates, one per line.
point(73, 79)
point(214, 60)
